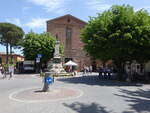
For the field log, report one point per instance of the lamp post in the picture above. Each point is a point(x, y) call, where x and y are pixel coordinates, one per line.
point(1, 35)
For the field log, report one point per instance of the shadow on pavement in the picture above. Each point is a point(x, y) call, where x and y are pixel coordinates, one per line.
point(94, 80)
point(139, 100)
point(86, 108)
point(38, 91)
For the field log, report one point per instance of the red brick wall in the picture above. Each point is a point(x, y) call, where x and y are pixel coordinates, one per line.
point(58, 27)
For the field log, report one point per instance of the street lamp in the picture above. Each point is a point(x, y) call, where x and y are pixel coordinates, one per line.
point(1, 35)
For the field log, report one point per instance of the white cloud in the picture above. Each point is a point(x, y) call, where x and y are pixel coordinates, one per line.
point(144, 7)
point(37, 23)
point(98, 5)
point(15, 21)
point(56, 6)
point(25, 9)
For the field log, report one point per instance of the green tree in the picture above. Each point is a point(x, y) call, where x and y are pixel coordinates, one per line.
point(34, 44)
point(11, 35)
point(120, 34)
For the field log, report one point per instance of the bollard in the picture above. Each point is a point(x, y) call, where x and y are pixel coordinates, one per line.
point(48, 79)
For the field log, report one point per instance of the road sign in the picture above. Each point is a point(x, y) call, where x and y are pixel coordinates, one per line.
point(39, 55)
point(49, 80)
point(37, 60)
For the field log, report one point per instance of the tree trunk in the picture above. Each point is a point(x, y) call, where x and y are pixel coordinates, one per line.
point(146, 74)
point(120, 71)
point(11, 57)
point(6, 53)
point(129, 75)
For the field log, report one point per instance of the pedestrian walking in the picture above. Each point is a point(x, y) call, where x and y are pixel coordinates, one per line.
point(90, 69)
point(87, 70)
point(84, 70)
point(4, 72)
point(11, 71)
point(108, 70)
point(1, 69)
point(101, 72)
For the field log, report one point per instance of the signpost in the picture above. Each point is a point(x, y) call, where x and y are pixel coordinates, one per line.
point(39, 55)
point(48, 79)
point(38, 60)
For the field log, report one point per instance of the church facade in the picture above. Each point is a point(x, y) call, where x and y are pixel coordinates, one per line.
point(67, 30)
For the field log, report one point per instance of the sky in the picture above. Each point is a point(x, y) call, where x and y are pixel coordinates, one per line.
point(33, 14)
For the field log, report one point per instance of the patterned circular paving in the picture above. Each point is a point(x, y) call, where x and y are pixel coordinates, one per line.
point(35, 95)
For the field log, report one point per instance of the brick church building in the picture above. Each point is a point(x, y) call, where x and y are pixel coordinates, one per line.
point(67, 30)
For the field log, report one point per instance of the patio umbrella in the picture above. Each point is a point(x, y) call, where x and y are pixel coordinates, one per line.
point(70, 63)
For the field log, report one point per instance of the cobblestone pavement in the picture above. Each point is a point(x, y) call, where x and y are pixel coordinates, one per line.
point(99, 96)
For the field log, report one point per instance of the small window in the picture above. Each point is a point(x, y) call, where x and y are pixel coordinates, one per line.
point(68, 33)
point(68, 20)
point(56, 36)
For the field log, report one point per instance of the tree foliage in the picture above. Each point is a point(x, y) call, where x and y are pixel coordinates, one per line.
point(34, 44)
point(11, 35)
point(119, 33)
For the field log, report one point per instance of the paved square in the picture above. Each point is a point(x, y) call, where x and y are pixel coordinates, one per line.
point(99, 96)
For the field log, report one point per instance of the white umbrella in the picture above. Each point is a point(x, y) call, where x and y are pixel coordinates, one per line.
point(70, 63)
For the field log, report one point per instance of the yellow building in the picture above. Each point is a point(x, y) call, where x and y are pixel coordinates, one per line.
point(15, 58)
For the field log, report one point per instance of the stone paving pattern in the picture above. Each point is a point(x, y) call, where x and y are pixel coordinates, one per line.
point(35, 94)
point(100, 96)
